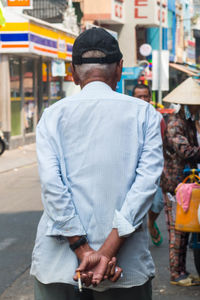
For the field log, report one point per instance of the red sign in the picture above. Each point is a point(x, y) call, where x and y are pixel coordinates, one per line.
point(147, 12)
point(118, 11)
point(138, 5)
point(19, 3)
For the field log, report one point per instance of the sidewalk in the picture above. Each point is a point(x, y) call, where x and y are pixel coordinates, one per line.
point(18, 158)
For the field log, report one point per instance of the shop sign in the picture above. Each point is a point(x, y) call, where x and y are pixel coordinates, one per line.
point(190, 51)
point(58, 68)
point(31, 37)
point(20, 3)
point(147, 12)
point(61, 45)
point(118, 12)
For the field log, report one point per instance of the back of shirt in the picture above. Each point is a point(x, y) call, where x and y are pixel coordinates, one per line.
point(100, 158)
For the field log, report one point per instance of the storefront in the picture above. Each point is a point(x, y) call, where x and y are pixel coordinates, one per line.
point(34, 70)
point(128, 80)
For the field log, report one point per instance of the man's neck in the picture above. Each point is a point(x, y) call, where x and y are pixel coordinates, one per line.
point(98, 78)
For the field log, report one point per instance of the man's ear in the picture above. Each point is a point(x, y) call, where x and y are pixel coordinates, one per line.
point(75, 75)
point(119, 70)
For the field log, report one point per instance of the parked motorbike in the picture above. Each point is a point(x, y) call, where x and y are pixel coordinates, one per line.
point(2, 143)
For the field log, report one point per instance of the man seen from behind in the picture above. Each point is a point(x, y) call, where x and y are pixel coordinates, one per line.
point(100, 159)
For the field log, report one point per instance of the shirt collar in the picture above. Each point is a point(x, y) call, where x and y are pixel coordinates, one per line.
point(96, 85)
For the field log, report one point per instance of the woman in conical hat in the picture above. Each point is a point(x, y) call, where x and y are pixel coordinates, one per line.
point(181, 149)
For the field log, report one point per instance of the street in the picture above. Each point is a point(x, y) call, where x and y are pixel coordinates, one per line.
point(19, 214)
point(110, 90)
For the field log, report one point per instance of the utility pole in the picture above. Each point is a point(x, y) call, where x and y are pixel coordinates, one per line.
point(70, 3)
point(160, 56)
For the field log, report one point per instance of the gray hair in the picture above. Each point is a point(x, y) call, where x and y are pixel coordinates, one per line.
point(85, 70)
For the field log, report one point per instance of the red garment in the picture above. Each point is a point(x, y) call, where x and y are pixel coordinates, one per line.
point(162, 127)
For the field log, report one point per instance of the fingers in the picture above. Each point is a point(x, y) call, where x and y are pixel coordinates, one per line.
point(108, 271)
point(110, 268)
point(97, 278)
point(117, 275)
point(114, 261)
point(83, 265)
point(100, 271)
point(75, 277)
point(88, 279)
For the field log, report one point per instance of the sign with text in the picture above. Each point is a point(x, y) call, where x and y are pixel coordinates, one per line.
point(19, 3)
point(148, 12)
point(118, 12)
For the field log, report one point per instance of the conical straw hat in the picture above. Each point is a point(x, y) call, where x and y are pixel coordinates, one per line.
point(188, 92)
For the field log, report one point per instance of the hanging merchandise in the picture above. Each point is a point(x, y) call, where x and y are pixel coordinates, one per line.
point(58, 68)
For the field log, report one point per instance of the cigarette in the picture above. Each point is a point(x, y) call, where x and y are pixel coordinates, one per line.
point(79, 281)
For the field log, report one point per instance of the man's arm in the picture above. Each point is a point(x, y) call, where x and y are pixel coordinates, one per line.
point(150, 164)
point(138, 199)
point(56, 196)
point(59, 206)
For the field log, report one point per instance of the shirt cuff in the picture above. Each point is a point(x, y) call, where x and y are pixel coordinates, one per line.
point(69, 228)
point(123, 226)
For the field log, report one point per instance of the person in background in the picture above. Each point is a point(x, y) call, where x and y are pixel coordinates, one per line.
point(100, 159)
point(143, 92)
point(181, 149)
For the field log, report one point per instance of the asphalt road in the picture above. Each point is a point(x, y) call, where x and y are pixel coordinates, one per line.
point(20, 211)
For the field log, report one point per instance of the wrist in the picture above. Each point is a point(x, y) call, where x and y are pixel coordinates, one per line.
point(112, 244)
point(83, 250)
point(79, 247)
point(81, 241)
point(105, 253)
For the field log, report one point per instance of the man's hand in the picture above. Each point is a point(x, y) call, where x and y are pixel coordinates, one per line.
point(93, 268)
point(96, 267)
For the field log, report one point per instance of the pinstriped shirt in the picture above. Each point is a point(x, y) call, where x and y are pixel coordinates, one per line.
point(100, 159)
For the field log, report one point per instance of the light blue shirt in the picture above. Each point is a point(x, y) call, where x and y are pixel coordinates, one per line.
point(100, 159)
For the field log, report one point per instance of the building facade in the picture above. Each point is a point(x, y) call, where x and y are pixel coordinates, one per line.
point(35, 72)
point(47, 10)
point(196, 29)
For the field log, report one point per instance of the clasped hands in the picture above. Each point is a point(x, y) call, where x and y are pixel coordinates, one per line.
point(96, 267)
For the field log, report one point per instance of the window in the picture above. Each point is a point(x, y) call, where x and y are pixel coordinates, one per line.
point(16, 101)
point(29, 99)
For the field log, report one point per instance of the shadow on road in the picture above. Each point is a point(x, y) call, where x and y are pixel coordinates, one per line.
point(17, 237)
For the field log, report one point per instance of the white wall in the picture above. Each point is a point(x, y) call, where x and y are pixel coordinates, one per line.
point(127, 36)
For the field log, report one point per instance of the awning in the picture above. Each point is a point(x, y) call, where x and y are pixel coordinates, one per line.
point(25, 34)
point(189, 70)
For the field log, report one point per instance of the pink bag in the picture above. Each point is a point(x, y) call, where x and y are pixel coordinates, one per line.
point(184, 192)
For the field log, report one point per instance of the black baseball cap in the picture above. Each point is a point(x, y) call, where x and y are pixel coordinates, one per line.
point(96, 39)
